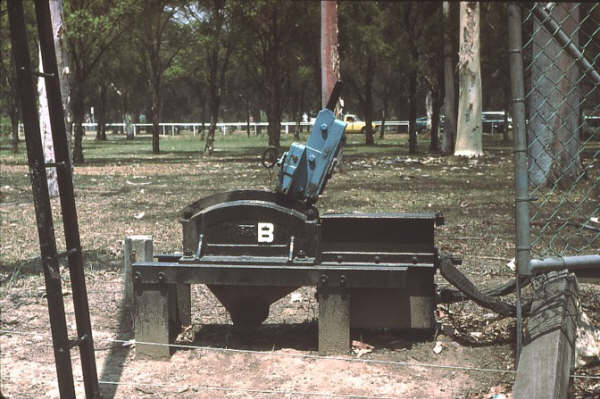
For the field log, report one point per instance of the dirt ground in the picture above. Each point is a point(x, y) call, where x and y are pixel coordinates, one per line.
point(471, 355)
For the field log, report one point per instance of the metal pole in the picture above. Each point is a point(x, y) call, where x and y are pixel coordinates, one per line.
point(329, 54)
point(41, 199)
point(581, 262)
point(67, 201)
point(520, 149)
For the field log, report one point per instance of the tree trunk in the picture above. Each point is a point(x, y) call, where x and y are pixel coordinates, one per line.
point(383, 114)
point(428, 109)
point(449, 101)
point(14, 123)
point(247, 119)
point(78, 115)
point(368, 103)
point(62, 61)
point(101, 115)
point(274, 128)
point(434, 145)
point(554, 141)
point(412, 112)
point(202, 118)
point(155, 119)
point(209, 146)
point(256, 116)
point(469, 130)
point(46, 133)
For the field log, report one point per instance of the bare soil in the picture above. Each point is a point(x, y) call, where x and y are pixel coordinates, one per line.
point(121, 196)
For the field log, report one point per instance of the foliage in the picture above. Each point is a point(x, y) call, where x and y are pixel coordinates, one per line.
point(267, 54)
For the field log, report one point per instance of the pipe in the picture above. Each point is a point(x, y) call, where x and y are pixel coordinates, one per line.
point(581, 262)
point(517, 85)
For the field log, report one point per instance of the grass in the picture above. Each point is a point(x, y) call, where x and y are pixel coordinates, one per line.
point(122, 178)
point(124, 189)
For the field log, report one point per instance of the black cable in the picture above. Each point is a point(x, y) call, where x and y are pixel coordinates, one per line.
point(468, 290)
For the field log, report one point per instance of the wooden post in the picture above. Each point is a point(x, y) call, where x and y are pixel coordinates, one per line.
point(548, 356)
point(135, 248)
point(334, 321)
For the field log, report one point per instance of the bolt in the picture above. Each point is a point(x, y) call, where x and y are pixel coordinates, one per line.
point(301, 253)
point(323, 279)
point(415, 260)
point(324, 127)
point(339, 258)
point(312, 160)
point(342, 281)
point(162, 277)
point(137, 276)
point(377, 259)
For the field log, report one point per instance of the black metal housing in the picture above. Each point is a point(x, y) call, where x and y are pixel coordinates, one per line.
point(251, 248)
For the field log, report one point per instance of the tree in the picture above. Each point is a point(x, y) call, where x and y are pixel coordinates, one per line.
point(469, 129)
point(431, 67)
point(272, 27)
point(56, 13)
point(361, 45)
point(92, 27)
point(411, 27)
point(62, 61)
point(159, 42)
point(46, 132)
point(216, 32)
point(554, 142)
point(9, 95)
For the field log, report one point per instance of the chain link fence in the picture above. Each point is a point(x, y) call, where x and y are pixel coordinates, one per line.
point(561, 57)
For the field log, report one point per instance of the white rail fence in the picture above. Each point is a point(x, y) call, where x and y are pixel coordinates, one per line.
point(195, 127)
point(222, 126)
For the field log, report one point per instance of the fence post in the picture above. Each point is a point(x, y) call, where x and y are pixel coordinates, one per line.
point(522, 250)
point(547, 359)
point(135, 248)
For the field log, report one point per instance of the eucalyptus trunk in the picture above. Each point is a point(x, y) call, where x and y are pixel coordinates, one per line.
point(368, 104)
point(434, 145)
point(14, 123)
point(412, 112)
point(77, 104)
point(155, 114)
point(469, 130)
point(215, 102)
point(101, 114)
point(62, 61)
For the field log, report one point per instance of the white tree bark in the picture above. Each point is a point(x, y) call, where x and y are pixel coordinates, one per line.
point(428, 109)
point(62, 59)
point(46, 133)
point(56, 12)
point(469, 129)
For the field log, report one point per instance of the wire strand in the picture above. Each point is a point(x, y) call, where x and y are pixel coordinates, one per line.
point(308, 356)
point(250, 390)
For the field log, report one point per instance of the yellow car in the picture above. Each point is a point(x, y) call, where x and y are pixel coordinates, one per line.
point(355, 125)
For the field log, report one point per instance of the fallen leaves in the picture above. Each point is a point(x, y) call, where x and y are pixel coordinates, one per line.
point(361, 348)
